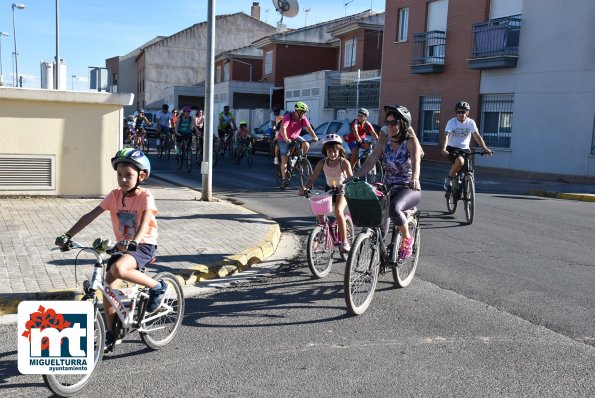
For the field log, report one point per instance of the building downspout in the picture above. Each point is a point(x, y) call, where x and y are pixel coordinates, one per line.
point(245, 63)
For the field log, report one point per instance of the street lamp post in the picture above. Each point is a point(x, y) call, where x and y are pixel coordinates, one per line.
point(20, 6)
point(1, 73)
point(72, 86)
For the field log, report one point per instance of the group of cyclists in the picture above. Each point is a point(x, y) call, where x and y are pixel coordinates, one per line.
point(397, 148)
point(133, 209)
point(399, 151)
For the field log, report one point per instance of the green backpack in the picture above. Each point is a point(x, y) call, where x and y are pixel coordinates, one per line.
point(366, 204)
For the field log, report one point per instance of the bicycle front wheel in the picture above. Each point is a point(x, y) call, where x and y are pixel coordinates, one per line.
point(159, 328)
point(249, 155)
point(167, 148)
point(469, 198)
point(451, 201)
point(159, 144)
point(361, 273)
point(66, 385)
point(305, 171)
point(320, 252)
point(188, 158)
point(230, 149)
point(180, 156)
point(404, 271)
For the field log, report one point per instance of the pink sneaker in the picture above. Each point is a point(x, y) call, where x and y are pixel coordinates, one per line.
point(406, 248)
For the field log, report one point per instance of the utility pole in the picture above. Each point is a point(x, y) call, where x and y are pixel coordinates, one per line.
point(207, 164)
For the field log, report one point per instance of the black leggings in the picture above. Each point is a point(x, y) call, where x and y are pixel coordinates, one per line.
point(400, 201)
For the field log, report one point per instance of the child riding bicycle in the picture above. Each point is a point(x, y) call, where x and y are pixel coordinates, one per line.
point(132, 211)
point(242, 137)
point(336, 169)
point(356, 138)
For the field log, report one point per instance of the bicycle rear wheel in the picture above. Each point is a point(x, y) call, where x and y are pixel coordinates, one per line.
point(159, 145)
point(404, 271)
point(469, 198)
point(376, 174)
point(159, 328)
point(66, 385)
point(361, 273)
point(349, 237)
point(320, 251)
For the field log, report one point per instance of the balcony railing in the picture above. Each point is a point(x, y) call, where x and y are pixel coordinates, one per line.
point(428, 52)
point(495, 44)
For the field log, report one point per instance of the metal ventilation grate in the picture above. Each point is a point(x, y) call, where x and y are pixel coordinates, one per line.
point(27, 172)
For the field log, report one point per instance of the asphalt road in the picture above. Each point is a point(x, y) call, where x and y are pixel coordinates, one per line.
point(503, 307)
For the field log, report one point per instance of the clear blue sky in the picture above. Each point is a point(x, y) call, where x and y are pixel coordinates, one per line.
point(93, 30)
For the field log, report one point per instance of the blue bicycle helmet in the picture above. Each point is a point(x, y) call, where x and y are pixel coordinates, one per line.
point(132, 156)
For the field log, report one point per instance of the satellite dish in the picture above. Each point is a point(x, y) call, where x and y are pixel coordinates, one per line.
point(287, 8)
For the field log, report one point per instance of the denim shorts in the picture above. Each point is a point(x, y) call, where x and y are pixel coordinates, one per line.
point(285, 146)
point(143, 254)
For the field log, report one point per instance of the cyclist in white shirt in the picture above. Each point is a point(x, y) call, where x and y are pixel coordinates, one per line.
point(457, 137)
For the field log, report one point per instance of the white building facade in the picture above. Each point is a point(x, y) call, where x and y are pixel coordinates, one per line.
point(550, 94)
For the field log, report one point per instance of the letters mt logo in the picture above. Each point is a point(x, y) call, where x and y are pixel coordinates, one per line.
point(56, 337)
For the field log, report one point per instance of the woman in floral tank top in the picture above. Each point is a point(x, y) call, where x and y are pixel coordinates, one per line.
point(400, 152)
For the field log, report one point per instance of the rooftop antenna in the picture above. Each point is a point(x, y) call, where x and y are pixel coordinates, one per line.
point(287, 8)
point(306, 11)
point(266, 15)
point(346, 4)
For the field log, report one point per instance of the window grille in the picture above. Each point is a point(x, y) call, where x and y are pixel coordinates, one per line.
point(496, 119)
point(429, 125)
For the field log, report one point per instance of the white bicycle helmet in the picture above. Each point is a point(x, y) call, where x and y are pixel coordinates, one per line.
point(332, 138)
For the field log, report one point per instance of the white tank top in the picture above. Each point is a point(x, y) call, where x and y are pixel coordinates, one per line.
point(335, 174)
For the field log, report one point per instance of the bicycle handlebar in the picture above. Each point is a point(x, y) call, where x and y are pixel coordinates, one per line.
point(309, 192)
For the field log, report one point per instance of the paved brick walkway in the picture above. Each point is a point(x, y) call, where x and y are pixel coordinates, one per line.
point(193, 236)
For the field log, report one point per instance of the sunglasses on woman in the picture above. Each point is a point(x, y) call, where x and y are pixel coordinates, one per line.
point(393, 122)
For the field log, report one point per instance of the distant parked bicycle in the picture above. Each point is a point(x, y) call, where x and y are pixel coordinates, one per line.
point(376, 174)
point(325, 237)
point(463, 187)
point(297, 164)
point(156, 329)
point(369, 256)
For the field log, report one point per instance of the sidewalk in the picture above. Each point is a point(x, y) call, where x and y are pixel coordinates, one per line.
point(197, 241)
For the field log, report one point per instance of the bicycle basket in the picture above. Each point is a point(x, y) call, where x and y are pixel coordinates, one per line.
point(366, 204)
point(321, 204)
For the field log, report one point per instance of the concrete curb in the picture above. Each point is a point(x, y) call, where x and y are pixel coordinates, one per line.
point(561, 195)
point(201, 272)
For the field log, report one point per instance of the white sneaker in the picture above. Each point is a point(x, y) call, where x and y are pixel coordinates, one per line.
point(276, 160)
point(447, 183)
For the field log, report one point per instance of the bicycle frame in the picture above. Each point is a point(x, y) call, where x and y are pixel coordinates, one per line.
point(130, 316)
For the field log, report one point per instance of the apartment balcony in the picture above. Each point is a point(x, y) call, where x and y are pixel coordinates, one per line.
point(495, 44)
point(428, 52)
